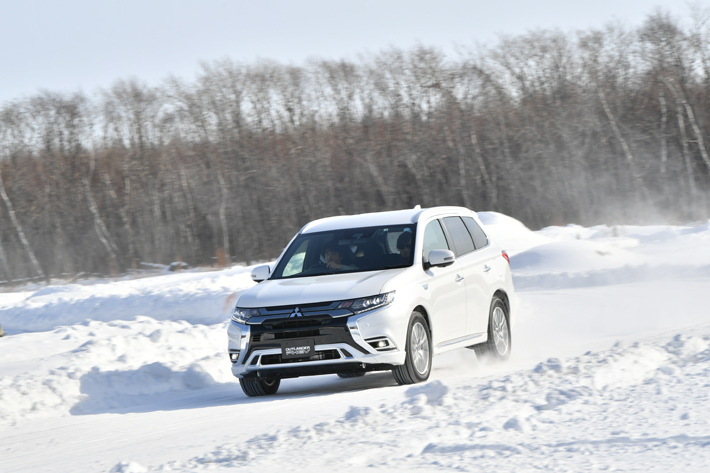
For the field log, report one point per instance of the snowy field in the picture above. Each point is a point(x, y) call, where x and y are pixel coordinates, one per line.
point(610, 370)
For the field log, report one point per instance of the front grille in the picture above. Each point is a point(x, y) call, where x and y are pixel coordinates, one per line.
point(319, 355)
point(266, 336)
point(311, 307)
point(300, 322)
point(322, 329)
point(290, 335)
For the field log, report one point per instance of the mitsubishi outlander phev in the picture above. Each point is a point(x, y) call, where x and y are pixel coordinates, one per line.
point(373, 292)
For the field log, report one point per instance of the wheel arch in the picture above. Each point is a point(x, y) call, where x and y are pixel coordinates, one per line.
point(420, 308)
point(505, 296)
point(502, 295)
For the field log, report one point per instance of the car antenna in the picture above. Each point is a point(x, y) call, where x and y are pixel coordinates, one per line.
point(417, 207)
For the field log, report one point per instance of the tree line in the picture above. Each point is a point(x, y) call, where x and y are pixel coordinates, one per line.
point(601, 126)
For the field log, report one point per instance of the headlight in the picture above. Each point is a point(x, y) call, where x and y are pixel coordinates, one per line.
point(368, 303)
point(242, 315)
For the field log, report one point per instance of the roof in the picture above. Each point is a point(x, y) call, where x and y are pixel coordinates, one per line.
point(395, 217)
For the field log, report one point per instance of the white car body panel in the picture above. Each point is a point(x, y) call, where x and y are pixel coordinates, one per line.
point(277, 292)
point(480, 270)
point(446, 299)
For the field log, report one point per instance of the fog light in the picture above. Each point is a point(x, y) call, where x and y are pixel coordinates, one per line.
point(381, 344)
point(234, 356)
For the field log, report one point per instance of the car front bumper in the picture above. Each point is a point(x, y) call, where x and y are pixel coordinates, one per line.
point(341, 344)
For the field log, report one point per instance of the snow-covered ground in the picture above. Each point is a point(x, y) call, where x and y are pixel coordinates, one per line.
point(610, 371)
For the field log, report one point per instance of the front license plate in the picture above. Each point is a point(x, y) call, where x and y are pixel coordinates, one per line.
point(303, 348)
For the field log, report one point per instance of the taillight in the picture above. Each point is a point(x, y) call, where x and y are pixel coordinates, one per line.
point(507, 258)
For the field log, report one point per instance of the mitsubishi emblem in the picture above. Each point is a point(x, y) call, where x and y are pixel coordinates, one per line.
point(296, 313)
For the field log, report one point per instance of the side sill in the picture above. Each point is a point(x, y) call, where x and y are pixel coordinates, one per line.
point(460, 342)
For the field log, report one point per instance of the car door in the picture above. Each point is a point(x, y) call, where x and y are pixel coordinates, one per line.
point(481, 273)
point(467, 259)
point(446, 289)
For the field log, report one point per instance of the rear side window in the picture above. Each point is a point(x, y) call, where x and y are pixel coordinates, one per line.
point(434, 239)
point(457, 230)
point(479, 238)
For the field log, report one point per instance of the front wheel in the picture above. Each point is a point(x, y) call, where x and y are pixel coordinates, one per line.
point(417, 363)
point(497, 346)
point(259, 386)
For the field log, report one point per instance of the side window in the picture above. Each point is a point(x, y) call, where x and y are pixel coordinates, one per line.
point(479, 238)
point(458, 232)
point(295, 264)
point(434, 239)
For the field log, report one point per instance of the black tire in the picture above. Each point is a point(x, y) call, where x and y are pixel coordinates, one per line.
point(259, 386)
point(417, 363)
point(498, 345)
point(351, 374)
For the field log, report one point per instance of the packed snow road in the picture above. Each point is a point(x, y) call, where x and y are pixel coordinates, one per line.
point(610, 370)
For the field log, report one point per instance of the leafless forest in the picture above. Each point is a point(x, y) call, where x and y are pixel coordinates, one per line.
point(601, 126)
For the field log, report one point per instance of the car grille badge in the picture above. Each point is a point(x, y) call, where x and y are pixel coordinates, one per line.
point(296, 313)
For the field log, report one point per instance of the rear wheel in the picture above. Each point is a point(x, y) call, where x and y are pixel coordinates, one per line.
point(497, 347)
point(417, 363)
point(259, 386)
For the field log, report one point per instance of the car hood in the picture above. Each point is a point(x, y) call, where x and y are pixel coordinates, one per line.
point(331, 287)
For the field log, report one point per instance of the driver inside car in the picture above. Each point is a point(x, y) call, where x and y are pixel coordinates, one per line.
point(334, 258)
point(404, 245)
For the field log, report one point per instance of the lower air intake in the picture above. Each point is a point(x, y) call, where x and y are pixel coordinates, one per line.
point(319, 355)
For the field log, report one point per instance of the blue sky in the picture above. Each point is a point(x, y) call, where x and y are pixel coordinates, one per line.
point(72, 45)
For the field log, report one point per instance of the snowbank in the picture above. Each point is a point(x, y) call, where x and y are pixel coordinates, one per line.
point(198, 298)
point(574, 256)
point(103, 366)
point(510, 233)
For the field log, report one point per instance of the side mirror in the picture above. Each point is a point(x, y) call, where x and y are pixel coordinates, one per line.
point(260, 273)
point(441, 258)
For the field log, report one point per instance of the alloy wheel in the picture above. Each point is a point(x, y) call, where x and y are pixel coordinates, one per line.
point(501, 335)
point(419, 344)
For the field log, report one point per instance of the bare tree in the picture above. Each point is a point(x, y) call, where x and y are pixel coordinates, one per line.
point(548, 127)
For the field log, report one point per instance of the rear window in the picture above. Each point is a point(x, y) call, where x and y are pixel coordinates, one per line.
point(479, 237)
point(462, 240)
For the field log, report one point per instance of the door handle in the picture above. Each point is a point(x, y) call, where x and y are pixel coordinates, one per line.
point(486, 268)
point(459, 278)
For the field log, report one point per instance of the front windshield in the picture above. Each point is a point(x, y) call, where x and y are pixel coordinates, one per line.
point(348, 251)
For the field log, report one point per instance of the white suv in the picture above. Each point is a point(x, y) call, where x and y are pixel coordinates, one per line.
point(372, 292)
